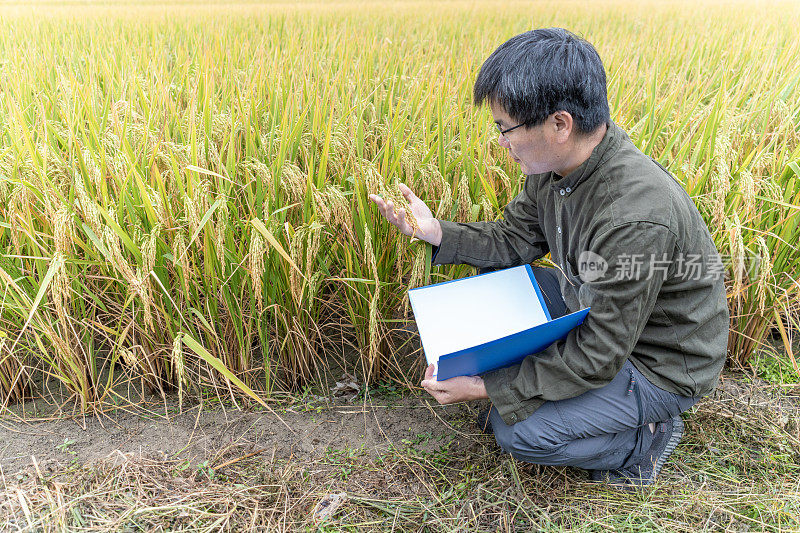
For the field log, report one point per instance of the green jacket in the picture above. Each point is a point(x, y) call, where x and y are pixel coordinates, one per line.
point(660, 300)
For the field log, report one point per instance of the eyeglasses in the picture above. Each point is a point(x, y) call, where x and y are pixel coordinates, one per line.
point(512, 128)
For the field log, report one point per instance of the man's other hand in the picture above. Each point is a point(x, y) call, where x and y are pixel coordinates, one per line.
point(454, 390)
point(429, 228)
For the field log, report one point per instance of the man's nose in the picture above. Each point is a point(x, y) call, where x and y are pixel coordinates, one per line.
point(502, 141)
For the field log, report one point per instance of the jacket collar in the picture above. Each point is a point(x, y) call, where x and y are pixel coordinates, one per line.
point(601, 153)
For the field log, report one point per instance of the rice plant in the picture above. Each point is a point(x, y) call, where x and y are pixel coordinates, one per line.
point(184, 196)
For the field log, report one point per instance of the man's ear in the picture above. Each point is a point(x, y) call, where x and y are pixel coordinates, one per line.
point(563, 125)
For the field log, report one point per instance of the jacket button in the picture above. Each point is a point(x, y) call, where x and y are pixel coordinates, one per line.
point(569, 190)
point(562, 192)
point(513, 417)
point(559, 229)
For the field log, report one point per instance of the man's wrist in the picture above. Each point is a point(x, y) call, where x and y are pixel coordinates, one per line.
point(480, 389)
point(436, 237)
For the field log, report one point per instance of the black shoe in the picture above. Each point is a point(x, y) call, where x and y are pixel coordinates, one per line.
point(666, 438)
point(483, 422)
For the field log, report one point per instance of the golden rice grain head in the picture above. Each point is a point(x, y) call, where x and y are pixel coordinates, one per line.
point(258, 250)
point(502, 176)
point(91, 214)
point(722, 155)
point(129, 358)
point(487, 209)
point(747, 186)
point(259, 171)
point(293, 182)
point(369, 253)
point(418, 268)
point(157, 203)
point(737, 255)
point(341, 214)
point(149, 248)
point(341, 152)
point(393, 193)
point(201, 194)
point(410, 161)
point(765, 275)
point(374, 332)
point(181, 259)
point(115, 257)
point(178, 363)
point(60, 287)
point(221, 127)
point(314, 240)
point(95, 174)
point(140, 286)
point(445, 206)
point(323, 208)
point(373, 179)
point(464, 199)
point(192, 213)
point(221, 226)
point(399, 253)
point(63, 230)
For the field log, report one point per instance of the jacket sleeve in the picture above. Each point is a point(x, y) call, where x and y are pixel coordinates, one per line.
point(591, 354)
point(514, 240)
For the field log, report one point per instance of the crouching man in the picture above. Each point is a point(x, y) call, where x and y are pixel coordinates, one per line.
point(628, 242)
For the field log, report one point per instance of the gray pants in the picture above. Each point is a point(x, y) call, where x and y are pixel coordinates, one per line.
point(602, 429)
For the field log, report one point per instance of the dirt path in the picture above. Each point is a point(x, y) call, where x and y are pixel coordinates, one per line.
point(198, 434)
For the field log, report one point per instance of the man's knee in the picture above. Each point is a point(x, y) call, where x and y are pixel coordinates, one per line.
point(528, 439)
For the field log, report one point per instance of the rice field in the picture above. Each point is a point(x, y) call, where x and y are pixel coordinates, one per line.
point(183, 188)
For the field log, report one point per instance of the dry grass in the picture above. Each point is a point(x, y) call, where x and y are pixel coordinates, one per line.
point(738, 469)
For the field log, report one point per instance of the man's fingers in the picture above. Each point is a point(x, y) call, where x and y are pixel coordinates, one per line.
point(408, 193)
point(429, 371)
point(438, 395)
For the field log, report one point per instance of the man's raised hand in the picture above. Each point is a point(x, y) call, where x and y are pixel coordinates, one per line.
point(429, 228)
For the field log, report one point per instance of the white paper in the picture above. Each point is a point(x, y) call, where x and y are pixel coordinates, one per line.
point(475, 310)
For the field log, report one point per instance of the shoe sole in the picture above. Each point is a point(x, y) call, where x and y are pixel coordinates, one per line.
point(672, 443)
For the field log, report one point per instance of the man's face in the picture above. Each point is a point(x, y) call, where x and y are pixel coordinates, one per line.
point(533, 148)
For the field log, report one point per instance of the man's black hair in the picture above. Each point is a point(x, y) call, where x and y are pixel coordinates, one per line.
point(536, 73)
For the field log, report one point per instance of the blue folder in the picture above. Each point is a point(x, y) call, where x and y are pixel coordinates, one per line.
point(505, 350)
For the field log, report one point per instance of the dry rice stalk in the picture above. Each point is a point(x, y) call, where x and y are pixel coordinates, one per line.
point(765, 275)
point(296, 253)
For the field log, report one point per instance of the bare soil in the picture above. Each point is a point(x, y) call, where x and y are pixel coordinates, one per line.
point(200, 433)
